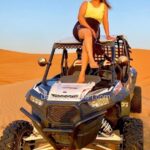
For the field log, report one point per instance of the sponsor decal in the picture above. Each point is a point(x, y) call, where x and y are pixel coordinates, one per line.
point(69, 87)
point(117, 88)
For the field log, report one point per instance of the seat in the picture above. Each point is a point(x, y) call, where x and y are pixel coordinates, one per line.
point(122, 74)
point(76, 66)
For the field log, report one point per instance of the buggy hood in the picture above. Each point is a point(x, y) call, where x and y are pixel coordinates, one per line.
point(69, 91)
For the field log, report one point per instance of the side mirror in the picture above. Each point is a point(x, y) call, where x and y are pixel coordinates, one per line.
point(42, 62)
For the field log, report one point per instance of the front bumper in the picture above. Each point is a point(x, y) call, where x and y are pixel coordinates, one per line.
point(80, 135)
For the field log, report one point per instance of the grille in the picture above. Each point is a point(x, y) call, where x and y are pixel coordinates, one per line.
point(62, 114)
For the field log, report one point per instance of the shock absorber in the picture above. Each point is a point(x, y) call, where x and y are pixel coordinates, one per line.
point(105, 128)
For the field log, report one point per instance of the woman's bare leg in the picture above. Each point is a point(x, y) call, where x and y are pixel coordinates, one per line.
point(85, 60)
point(86, 35)
point(87, 53)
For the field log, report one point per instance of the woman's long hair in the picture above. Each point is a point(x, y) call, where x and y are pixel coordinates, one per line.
point(106, 2)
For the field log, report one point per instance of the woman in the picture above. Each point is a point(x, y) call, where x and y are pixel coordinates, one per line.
point(91, 15)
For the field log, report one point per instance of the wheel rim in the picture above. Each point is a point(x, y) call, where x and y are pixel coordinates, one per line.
point(21, 144)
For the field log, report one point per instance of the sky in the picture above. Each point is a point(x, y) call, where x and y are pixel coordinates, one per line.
point(34, 25)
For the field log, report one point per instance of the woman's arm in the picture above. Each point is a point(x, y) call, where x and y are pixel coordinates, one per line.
point(81, 17)
point(106, 24)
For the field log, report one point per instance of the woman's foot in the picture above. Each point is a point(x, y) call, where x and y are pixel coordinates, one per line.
point(94, 65)
point(81, 78)
point(80, 81)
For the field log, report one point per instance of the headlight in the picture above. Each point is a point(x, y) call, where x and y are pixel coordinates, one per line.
point(99, 102)
point(36, 100)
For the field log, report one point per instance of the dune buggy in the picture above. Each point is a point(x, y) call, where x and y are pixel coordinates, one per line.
point(91, 115)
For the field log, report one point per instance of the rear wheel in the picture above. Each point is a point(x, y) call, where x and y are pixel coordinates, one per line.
point(132, 131)
point(136, 103)
point(13, 135)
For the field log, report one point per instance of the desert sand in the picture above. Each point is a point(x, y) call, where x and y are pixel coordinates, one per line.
point(20, 71)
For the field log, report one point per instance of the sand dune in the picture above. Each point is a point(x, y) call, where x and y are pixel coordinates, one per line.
point(141, 61)
point(19, 72)
point(16, 67)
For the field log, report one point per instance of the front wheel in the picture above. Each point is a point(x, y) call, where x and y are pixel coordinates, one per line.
point(132, 131)
point(13, 135)
point(136, 103)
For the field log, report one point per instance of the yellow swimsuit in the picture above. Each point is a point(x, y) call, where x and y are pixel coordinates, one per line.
point(95, 12)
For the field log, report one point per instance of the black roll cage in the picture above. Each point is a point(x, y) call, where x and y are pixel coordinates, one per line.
point(76, 45)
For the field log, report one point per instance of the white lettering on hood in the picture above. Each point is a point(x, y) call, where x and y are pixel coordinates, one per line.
point(69, 91)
